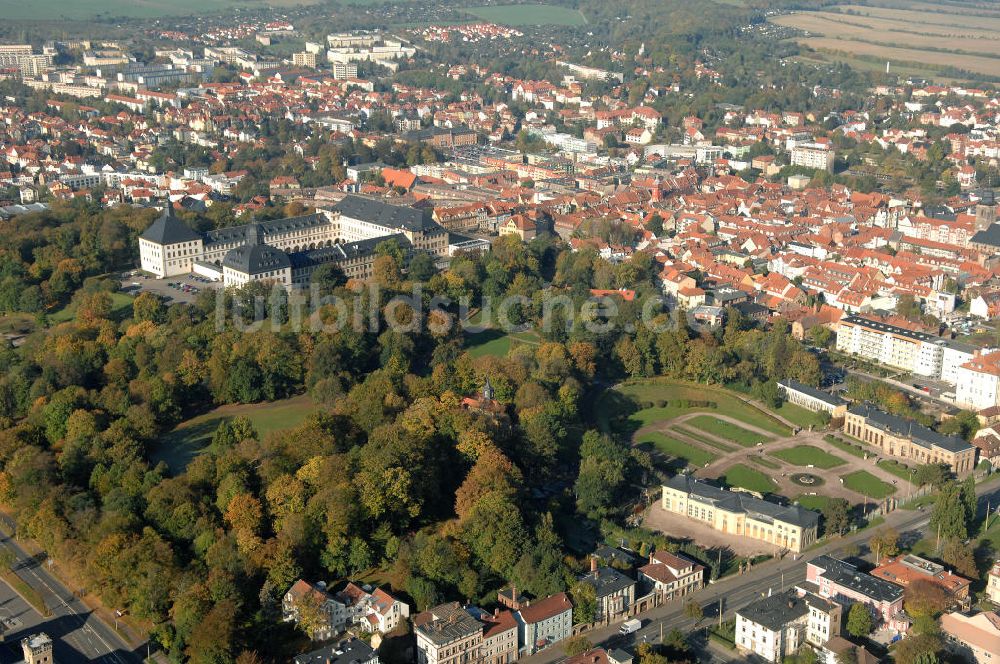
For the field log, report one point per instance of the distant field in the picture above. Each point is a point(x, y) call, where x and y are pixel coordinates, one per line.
point(907, 34)
point(529, 15)
point(89, 9)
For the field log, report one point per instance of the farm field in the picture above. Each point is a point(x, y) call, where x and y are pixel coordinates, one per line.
point(867, 484)
point(726, 430)
point(807, 455)
point(68, 9)
point(910, 35)
point(529, 15)
point(677, 449)
point(189, 438)
point(748, 478)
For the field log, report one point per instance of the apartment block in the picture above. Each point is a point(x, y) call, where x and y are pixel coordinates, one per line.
point(813, 155)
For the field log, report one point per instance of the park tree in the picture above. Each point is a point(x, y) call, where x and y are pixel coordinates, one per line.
point(837, 516)
point(577, 645)
point(694, 611)
point(584, 602)
point(950, 515)
point(960, 556)
point(918, 649)
point(859, 620)
point(884, 543)
point(924, 598)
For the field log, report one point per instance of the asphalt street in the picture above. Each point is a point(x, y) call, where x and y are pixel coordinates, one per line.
point(79, 634)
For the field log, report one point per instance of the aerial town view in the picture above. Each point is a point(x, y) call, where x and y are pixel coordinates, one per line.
point(447, 332)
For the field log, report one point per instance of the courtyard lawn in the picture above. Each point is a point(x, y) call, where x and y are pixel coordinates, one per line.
point(815, 503)
point(190, 438)
point(677, 449)
point(843, 446)
point(807, 455)
point(748, 478)
point(726, 430)
point(900, 470)
point(801, 416)
point(867, 484)
point(702, 438)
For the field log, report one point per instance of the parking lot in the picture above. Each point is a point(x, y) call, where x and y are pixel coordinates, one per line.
point(182, 288)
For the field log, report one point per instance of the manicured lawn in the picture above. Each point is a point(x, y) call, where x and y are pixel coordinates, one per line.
point(695, 456)
point(529, 15)
point(900, 470)
point(799, 415)
point(807, 455)
point(627, 407)
point(702, 438)
point(816, 503)
point(867, 484)
point(726, 430)
point(748, 478)
point(853, 450)
point(188, 439)
point(758, 460)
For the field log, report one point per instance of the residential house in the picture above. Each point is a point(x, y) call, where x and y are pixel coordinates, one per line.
point(975, 637)
point(333, 613)
point(777, 626)
point(844, 583)
point(447, 634)
point(351, 651)
point(671, 576)
point(544, 622)
point(904, 570)
point(600, 656)
point(993, 583)
point(615, 592)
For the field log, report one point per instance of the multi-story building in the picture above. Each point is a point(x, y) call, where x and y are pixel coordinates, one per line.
point(448, 634)
point(542, 623)
point(21, 57)
point(740, 514)
point(813, 155)
point(812, 399)
point(374, 610)
point(351, 651)
point(304, 59)
point(993, 583)
point(287, 251)
point(973, 638)
point(332, 612)
point(905, 439)
point(916, 352)
point(500, 632)
point(342, 70)
point(671, 575)
point(37, 649)
point(907, 569)
point(845, 584)
point(977, 385)
point(614, 590)
point(777, 626)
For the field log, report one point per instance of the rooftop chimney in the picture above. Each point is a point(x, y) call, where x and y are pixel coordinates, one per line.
point(593, 564)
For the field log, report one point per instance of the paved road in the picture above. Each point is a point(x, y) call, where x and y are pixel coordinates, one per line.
point(79, 634)
point(734, 592)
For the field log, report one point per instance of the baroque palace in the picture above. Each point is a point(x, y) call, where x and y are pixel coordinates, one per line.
point(287, 251)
